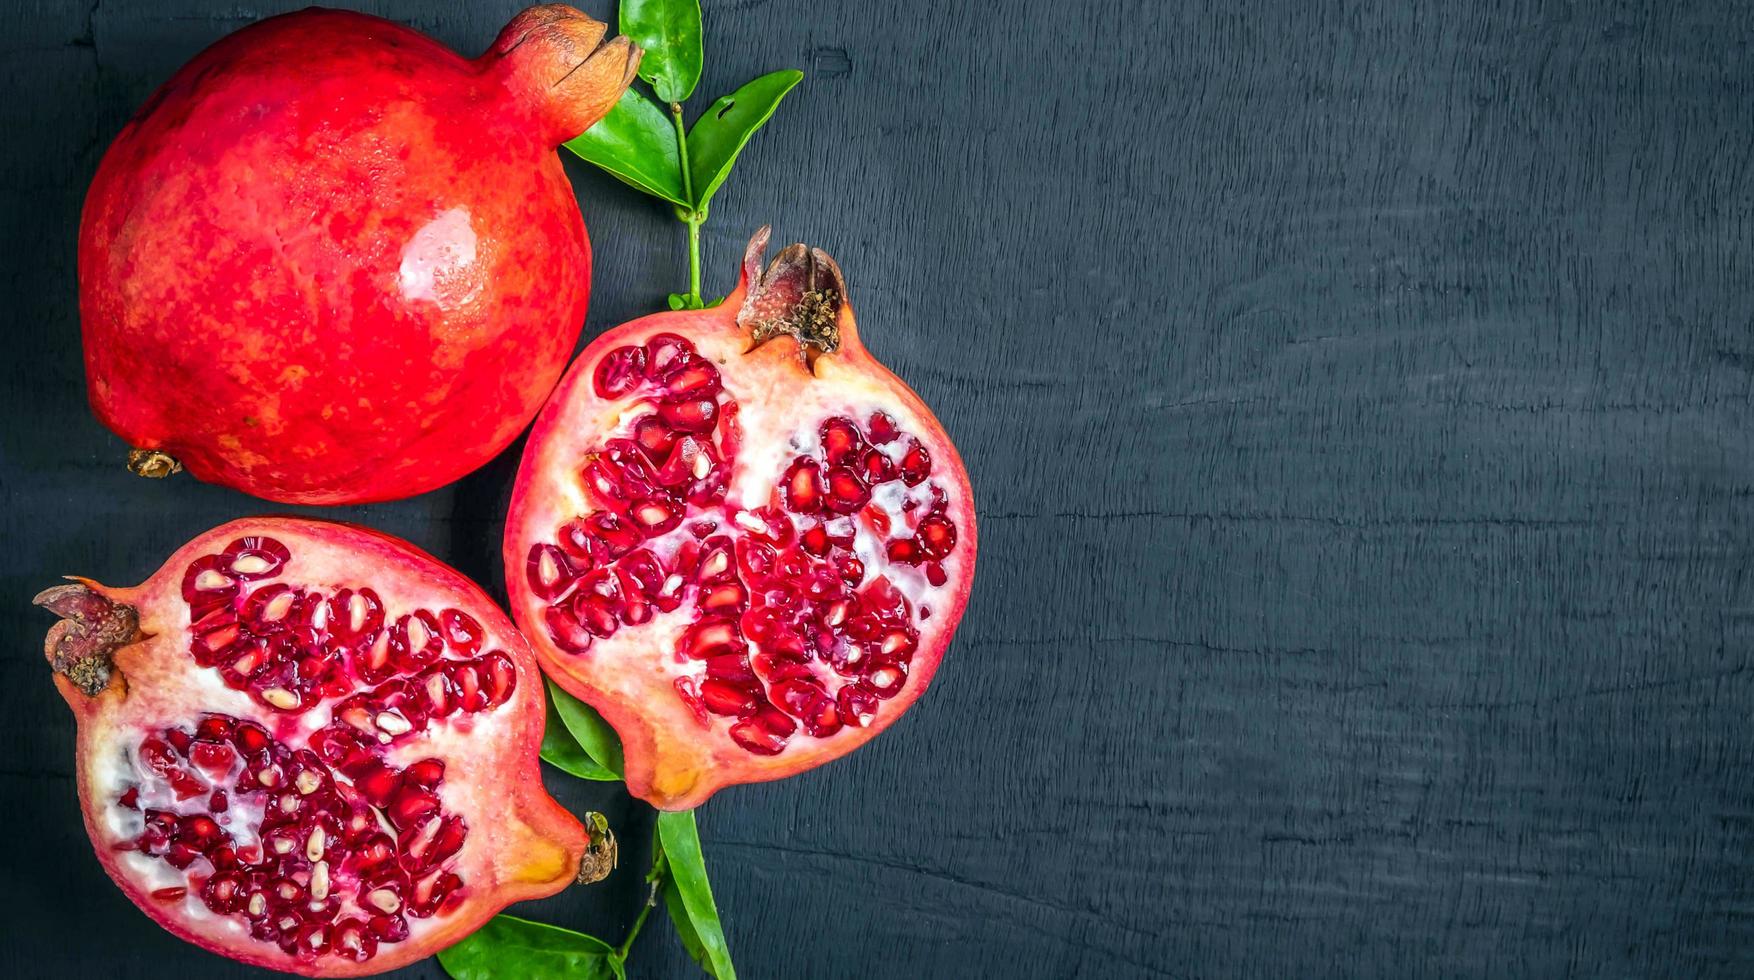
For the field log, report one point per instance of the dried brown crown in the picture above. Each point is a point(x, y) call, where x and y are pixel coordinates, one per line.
point(555, 58)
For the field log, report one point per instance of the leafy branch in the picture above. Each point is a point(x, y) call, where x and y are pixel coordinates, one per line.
point(649, 145)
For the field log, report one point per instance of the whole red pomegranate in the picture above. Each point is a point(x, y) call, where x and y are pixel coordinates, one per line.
point(310, 747)
point(738, 536)
point(332, 261)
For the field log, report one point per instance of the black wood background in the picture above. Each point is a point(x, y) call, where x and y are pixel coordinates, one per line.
point(1358, 399)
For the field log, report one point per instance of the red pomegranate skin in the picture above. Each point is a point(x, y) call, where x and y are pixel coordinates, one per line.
point(332, 261)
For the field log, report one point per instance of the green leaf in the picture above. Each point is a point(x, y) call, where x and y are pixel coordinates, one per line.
point(678, 301)
point(562, 751)
point(509, 948)
point(720, 134)
point(689, 899)
point(590, 730)
point(636, 142)
point(669, 31)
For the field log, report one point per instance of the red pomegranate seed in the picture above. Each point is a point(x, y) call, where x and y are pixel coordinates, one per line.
point(905, 551)
point(653, 437)
point(846, 492)
point(410, 806)
point(716, 561)
point(354, 618)
point(690, 459)
point(654, 517)
point(857, 705)
point(580, 546)
point(618, 536)
point(254, 557)
point(619, 372)
point(882, 428)
point(711, 638)
point(876, 467)
point(756, 738)
point(549, 574)
point(689, 414)
point(416, 640)
point(935, 575)
point(565, 629)
point(803, 486)
point(814, 540)
point(169, 894)
point(936, 535)
point(885, 678)
point(462, 632)
point(351, 941)
point(916, 465)
point(637, 612)
point(724, 599)
point(730, 667)
point(755, 560)
point(685, 690)
point(851, 570)
point(728, 698)
point(130, 798)
point(841, 441)
point(667, 353)
point(697, 378)
point(599, 614)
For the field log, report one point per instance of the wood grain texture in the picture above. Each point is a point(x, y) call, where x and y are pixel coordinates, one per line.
point(1359, 399)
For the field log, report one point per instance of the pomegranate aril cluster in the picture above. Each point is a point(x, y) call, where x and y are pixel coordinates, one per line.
point(321, 850)
point(778, 592)
point(325, 849)
point(292, 648)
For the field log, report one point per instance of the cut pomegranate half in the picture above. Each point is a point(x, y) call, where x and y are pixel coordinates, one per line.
point(310, 747)
point(738, 536)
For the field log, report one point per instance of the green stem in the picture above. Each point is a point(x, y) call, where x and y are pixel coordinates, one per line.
point(660, 868)
point(693, 216)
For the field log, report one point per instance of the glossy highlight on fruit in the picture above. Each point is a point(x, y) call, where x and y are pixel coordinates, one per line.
point(310, 747)
point(332, 261)
point(738, 536)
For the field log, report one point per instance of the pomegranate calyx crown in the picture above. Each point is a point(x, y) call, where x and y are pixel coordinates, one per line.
point(601, 854)
point(82, 646)
point(800, 294)
point(154, 464)
point(556, 58)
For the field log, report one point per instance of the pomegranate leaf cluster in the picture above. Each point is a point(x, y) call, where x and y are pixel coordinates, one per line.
point(648, 145)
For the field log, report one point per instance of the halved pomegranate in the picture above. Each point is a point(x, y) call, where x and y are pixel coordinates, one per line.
point(310, 747)
point(738, 536)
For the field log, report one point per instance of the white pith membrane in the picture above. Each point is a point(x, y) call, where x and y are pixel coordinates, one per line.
point(753, 696)
point(402, 842)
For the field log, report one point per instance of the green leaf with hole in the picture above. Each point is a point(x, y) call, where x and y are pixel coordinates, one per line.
point(689, 898)
point(509, 948)
point(588, 728)
point(562, 751)
point(720, 135)
point(669, 33)
point(636, 142)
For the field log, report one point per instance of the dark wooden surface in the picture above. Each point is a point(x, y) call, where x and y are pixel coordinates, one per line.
point(1358, 399)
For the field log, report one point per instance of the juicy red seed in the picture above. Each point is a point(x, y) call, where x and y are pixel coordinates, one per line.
point(697, 378)
point(645, 572)
point(203, 598)
point(351, 941)
point(881, 428)
point(711, 638)
point(410, 806)
point(130, 798)
point(565, 629)
point(215, 728)
point(846, 492)
point(850, 569)
point(815, 540)
point(406, 655)
point(717, 563)
point(756, 738)
point(340, 619)
point(548, 573)
point(689, 414)
point(387, 928)
point(251, 738)
point(678, 468)
point(500, 676)
point(637, 612)
point(857, 705)
point(427, 772)
point(876, 467)
point(701, 529)
point(936, 535)
point(730, 667)
point(218, 802)
point(597, 613)
point(935, 575)
point(905, 551)
point(776, 721)
point(841, 441)
point(619, 372)
point(667, 353)
point(212, 757)
point(798, 697)
point(727, 698)
point(654, 517)
point(725, 598)
point(654, 437)
point(378, 784)
point(885, 678)
point(618, 536)
point(170, 894)
point(685, 690)
point(463, 632)
point(803, 486)
point(756, 561)
point(916, 465)
point(581, 547)
point(255, 557)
